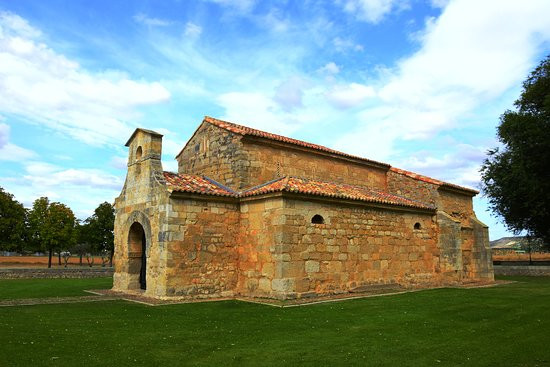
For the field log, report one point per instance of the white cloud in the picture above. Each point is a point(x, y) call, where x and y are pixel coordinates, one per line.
point(4, 133)
point(372, 11)
point(274, 21)
point(82, 189)
point(439, 3)
point(14, 153)
point(342, 45)
point(46, 175)
point(119, 162)
point(242, 6)
point(150, 21)
point(468, 57)
point(351, 95)
point(290, 92)
point(258, 110)
point(47, 88)
point(9, 151)
point(192, 30)
point(10, 22)
point(254, 110)
point(330, 68)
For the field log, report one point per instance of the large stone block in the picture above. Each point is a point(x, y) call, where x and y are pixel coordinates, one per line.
point(283, 285)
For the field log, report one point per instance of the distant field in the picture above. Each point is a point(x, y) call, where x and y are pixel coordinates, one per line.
point(42, 261)
point(537, 256)
point(505, 325)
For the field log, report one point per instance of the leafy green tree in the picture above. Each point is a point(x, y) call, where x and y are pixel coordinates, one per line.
point(37, 221)
point(13, 223)
point(516, 177)
point(83, 239)
point(52, 226)
point(102, 224)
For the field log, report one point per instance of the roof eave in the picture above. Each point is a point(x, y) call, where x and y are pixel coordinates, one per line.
point(154, 133)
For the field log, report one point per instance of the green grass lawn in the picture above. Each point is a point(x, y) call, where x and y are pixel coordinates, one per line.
point(506, 325)
point(42, 288)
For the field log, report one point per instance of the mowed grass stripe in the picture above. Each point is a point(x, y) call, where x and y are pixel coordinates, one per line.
point(44, 288)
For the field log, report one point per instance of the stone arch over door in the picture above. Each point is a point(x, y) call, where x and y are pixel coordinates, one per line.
point(138, 229)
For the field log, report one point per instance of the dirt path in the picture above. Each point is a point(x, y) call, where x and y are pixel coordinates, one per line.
point(54, 300)
point(110, 295)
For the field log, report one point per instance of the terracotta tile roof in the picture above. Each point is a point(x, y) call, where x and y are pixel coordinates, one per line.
point(433, 181)
point(416, 176)
point(244, 130)
point(206, 186)
point(196, 184)
point(333, 190)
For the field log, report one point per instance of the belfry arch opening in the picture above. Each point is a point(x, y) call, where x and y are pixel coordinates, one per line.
point(137, 244)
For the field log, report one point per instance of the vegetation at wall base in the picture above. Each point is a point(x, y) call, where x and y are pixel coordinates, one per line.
point(505, 325)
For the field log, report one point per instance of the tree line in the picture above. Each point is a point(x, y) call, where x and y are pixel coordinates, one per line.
point(51, 227)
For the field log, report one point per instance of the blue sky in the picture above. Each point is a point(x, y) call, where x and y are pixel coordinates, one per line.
point(417, 84)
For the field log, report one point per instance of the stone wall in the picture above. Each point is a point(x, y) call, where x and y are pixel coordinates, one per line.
point(269, 161)
point(356, 246)
point(525, 270)
point(215, 153)
point(458, 205)
point(450, 244)
point(261, 247)
point(411, 188)
point(202, 247)
point(241, 163)
point(55, 273)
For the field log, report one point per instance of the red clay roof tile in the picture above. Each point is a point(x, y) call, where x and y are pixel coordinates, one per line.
point(433, 181)
point(333, 190)
point(195, 184)
point(205, 186)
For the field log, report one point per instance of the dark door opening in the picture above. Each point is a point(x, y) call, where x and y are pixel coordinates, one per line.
point(137, 256)
point(143, 270)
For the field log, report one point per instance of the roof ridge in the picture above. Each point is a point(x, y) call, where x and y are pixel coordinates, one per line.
point(435, 181)
point(222, 186)
point(245, 130)
point(243, 192)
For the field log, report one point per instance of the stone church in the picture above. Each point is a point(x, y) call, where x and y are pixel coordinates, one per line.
point(255, 214)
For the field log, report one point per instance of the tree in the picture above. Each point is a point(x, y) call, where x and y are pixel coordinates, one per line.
point(516, 177)
point(83, 239)
point(37, 220)
point(102, 224)
point(13, 223)
point(52, 226)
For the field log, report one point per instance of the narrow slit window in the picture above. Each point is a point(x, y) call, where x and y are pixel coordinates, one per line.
point(317, 219)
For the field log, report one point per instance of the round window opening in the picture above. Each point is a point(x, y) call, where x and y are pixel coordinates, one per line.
point(317, 219)
point(417, 225)
point(139, 153)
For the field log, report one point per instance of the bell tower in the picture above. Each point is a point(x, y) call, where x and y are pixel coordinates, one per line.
point(144, 162)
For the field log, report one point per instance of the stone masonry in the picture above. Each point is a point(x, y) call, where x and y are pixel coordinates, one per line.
point(255, 214)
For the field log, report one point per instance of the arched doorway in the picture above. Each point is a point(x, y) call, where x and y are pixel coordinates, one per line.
point(137, 254)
